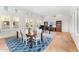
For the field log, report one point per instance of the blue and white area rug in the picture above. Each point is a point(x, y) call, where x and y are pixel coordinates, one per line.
point(15, 45)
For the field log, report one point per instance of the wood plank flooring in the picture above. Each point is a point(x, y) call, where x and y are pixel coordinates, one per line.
point(62, 42)
point(3, 46)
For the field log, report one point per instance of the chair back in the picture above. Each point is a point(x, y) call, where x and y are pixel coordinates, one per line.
point(21, 35)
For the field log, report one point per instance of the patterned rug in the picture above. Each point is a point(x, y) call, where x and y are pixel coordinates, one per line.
point(16, 45)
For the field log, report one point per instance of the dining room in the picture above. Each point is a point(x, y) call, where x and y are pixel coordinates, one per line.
point(50, 29)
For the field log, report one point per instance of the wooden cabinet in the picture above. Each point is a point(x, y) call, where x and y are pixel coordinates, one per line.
point(58, 26)
point(45, 25)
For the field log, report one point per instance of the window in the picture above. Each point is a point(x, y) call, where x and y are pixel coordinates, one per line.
point(76, 21)
point(29, 23)
point(15, 22)
point(5, 22)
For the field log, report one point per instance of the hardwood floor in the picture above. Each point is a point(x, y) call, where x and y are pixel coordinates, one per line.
point(61, 42)
point(3, 46)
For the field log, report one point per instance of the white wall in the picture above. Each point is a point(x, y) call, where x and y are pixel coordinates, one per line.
point(66, 20)
point(22, 14)
point(73, 27)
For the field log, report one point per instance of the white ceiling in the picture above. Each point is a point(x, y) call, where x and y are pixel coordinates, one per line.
point(49, 10)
